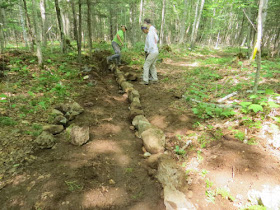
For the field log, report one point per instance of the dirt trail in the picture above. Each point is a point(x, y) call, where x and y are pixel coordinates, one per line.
point(105, 173)
point(230, 164)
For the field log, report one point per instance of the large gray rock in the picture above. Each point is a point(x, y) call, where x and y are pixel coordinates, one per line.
point(154, 140)
point(126, 86)
point(269, 197)
point(78, 135)
point(45, 141)
point(141, 124)
point(176, 200)
point(53, 129)
point(170, 174)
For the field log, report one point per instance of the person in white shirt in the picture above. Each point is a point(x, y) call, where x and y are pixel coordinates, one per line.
point(152, 53)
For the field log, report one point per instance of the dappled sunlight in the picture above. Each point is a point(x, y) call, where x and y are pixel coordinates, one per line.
point(105, 197)
point(159, 121)
point(103, 146)
point(106, 128)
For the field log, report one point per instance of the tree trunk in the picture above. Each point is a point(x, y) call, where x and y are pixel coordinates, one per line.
point(141, 11)
point(162, 21)
point(261, 21)
point(38, 42)
point(89, 27)
point(22, 23)
point(75, 22)
point(29, 26)
point(257, 48)
point(44, 25)
point(80, 34)
point(2, 37)
point(196, 22)
point(183, 23)
point(62, 37)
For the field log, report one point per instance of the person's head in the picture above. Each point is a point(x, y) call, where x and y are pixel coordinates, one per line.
point(147, 21)
point(123, 27)
point(145, 28)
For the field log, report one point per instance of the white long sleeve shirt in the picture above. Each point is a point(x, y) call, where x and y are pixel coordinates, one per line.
point(151, 41)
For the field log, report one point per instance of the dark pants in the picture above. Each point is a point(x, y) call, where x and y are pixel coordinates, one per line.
point(117, 55)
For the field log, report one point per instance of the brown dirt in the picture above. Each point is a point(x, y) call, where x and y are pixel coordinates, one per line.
point(105, 173)
point(230, 163)
point(108, 171)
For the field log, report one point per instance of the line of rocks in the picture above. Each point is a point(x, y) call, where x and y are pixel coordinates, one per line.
point(159, 163)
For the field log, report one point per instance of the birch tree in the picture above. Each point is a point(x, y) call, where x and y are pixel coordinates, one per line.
point(44, 25)
point(183, 23)
point(196, 22)
point(162, 21)
point(257, 49)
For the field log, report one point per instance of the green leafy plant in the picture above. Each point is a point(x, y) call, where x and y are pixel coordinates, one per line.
point(7, 121)
point(179, 151)
point(73, 186)
point(224, 193)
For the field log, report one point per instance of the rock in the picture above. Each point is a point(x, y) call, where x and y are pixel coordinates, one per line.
point(131, 76)
point(268, 197)
point(147, 154)
point(60, 120)
point(174, 199)
point(132, 127)
point(120, 80)
point(112, 182)
point(56, 112)
point(153, 161)
point(190, 194)
point(154, 140)
point(135, 105)
point(138, 119)
point(45, 140)
point(71, 109)
point(78, 135)
point(133, 94)
point(126, 86)
point(53, 129)
point(135, 112)
point(170, 174)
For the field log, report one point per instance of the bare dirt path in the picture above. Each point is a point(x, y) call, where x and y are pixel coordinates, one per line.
point(105, 173)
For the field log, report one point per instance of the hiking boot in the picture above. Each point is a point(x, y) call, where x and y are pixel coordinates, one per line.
point(143, 83)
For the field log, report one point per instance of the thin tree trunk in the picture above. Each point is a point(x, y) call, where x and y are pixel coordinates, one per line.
point(2, 38)
point(162, 21)
point(38, 42)
point(89, 27)
point(183, 23)
point(196, 22)
point(141, 11)
point(257, 48)
point(22, 23)
point(75, 22)
point(80, 34)
point(261, 20)
point(62, 37)
point(29, 26)
point(44, 25)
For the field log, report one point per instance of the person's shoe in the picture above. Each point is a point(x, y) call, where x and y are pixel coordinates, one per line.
point(143, 83)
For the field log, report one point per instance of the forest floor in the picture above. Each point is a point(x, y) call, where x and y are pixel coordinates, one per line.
point(109, 171)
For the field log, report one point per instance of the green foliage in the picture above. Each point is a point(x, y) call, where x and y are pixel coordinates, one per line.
point(224, 193)
point(179, 151)
point(73, 186)
point(7, 121)
point(205, 111)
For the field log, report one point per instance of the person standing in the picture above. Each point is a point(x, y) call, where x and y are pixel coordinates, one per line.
point(117, 43)
point(150, 72)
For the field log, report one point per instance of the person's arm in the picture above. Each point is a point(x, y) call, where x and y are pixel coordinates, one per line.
point(119, 38)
